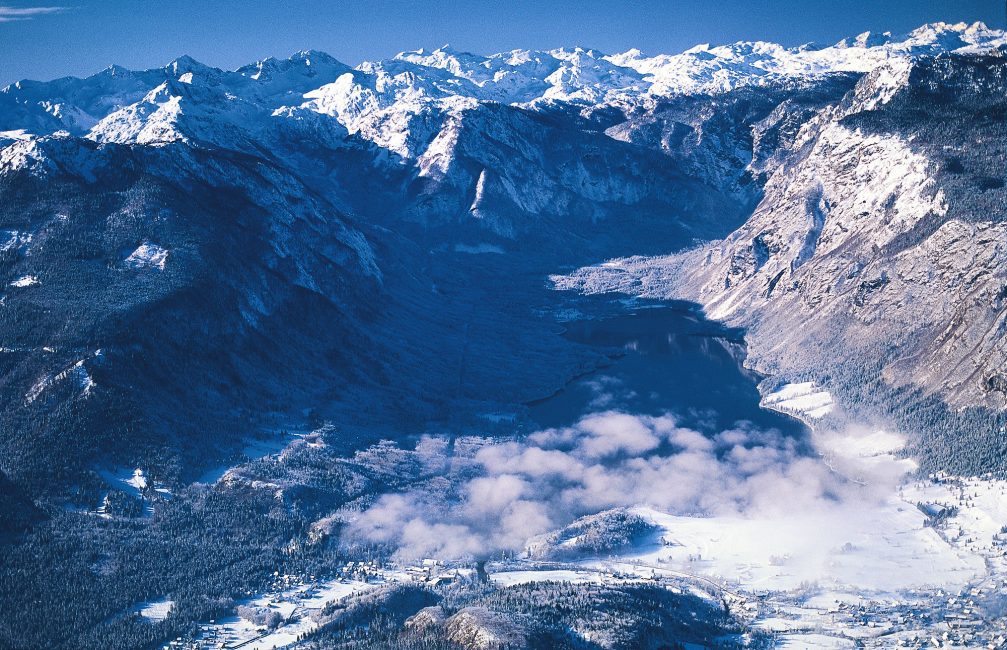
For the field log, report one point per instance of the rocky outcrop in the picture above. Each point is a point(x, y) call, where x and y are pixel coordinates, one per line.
point(480, 628)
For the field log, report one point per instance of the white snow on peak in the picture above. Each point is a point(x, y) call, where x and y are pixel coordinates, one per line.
point(152, 120)
point(711, 69)
point(13, 135)
point(23, 153)
point(400, 104)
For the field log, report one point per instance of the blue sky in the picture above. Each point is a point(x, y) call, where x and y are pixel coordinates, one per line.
point(41, 40)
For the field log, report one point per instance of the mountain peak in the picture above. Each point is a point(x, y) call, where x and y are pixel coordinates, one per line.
point(312, 57)
point(114, 70)
point(866, 40)
point(577, 50)
point(186, 63)
point(935, 31)
point(941, 26)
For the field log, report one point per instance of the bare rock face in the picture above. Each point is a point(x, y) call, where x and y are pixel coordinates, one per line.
point(426, 619)
point(483, 629)
point(478, 628)
point(876, 242)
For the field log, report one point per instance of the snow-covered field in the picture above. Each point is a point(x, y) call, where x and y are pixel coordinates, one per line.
point(979, 521)
point(882, 549)
point(573, 576)
point(155, 610)
point(803, 399)
point(298, 603)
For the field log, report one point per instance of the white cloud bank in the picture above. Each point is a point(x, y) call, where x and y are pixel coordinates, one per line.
point(513, 490)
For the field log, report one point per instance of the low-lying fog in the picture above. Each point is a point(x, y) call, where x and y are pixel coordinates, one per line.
point(773, 506)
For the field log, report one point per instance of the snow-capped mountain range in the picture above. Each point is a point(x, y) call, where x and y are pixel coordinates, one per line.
point(390, 102)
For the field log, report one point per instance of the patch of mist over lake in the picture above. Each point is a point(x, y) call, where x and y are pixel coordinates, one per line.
point(664, 357)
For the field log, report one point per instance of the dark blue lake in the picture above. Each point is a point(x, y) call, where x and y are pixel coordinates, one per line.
point(661, 359)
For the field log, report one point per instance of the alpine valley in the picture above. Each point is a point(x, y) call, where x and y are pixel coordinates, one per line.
point(549, 349)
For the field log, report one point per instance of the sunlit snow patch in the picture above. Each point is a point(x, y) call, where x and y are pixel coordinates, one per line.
point(132, 482)
point(14, 240)
point(147, 255)
point(25, 281)
point(155, 611)
point(803, 399)
point(7, 137)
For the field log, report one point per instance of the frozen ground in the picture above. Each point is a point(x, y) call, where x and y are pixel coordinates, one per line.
point(881, 549)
